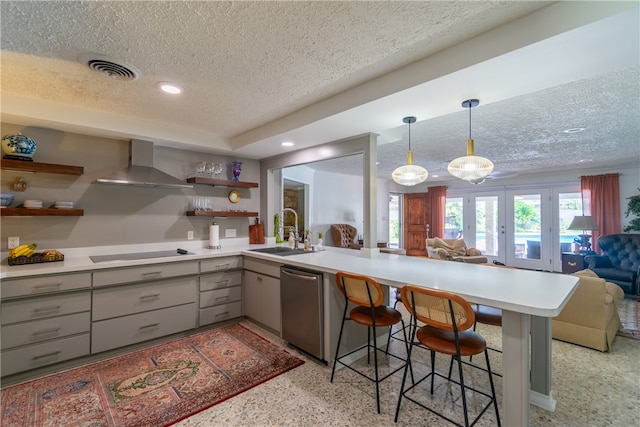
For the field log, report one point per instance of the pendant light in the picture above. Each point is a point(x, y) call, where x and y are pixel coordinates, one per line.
point(409, 174)
point(470, 167)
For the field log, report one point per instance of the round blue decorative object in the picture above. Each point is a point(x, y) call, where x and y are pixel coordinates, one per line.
point(18, 145)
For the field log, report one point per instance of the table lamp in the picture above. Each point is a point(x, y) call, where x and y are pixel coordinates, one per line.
point(584, 223)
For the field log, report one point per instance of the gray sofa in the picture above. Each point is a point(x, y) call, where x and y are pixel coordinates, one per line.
point(619, 262)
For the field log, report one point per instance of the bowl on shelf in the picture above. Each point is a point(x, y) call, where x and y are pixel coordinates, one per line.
point(6, 199)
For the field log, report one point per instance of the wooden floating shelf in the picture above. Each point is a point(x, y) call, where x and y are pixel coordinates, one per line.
point(40, 212)
point(222, 182)
point(25, 166)
point(223, 214)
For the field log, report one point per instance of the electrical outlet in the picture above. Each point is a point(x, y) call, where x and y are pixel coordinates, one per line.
point(230, 232)
point(190, 235)
point(13, 242)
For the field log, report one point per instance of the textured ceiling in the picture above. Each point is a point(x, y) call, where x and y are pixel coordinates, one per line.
point(256, 73)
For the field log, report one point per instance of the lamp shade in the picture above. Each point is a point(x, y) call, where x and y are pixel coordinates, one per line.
point(583, 222)
point(470, 167)
point(409, 174)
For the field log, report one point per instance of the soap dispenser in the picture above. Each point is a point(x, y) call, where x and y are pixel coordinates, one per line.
point(292, 240)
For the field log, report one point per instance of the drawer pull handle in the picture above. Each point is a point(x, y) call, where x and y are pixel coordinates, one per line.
point(222, 265)
point(46, 331)
point(225, 314)
point(152, 273)
point(225, 298)
point(572, 264)
point(225, 281)
point(153, 325)
point(152, 296)
point(47, 308)
point(40, 288)
point(55, 353)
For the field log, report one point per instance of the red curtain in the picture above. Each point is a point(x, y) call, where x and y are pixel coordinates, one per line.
point(601, 198)
point(436, 198)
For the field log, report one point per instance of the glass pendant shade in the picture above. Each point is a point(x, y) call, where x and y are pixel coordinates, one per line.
point(470, 167)
point(409, 174)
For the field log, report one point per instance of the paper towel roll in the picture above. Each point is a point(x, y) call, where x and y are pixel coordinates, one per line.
point(214, 236)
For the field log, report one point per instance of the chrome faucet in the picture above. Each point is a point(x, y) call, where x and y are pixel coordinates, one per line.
point(295, 228)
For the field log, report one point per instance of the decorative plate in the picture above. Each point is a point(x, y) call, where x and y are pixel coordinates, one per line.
point(234, 196)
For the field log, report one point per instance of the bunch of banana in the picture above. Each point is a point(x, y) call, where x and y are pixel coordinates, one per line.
point(23, 250)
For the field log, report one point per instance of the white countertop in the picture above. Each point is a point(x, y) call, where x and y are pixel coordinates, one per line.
point(523, 291)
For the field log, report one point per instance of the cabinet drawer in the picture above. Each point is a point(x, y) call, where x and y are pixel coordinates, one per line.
point(37, 355)
point(122, 331)
point(44, 307)
point(124, 300)
point(264, 267)
point(220, 296)
point(222, 279)
point(144, 273)
point(46, 329)
point(220, 313)
point(222, 263)
point(36, 285)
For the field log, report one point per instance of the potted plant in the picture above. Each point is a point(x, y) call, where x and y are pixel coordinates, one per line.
point(633, 208)
point(320, 236)
point(276, 227)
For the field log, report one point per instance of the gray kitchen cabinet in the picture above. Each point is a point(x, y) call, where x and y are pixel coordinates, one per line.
point(220, 296)
point(44, 320)
point(262, 292)
point(136, 304)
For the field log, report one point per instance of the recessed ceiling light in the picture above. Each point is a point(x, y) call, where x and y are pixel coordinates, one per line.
point(170, 88)
point(287, 144)
point(573, 130)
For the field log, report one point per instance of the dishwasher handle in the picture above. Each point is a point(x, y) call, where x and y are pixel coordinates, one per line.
point(299, 274)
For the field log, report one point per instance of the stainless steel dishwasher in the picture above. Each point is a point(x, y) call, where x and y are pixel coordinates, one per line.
point(302, 299)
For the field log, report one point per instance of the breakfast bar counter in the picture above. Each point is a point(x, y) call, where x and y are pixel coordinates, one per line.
point(528, 299)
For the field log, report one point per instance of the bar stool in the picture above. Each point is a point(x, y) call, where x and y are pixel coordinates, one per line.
point(448, 320)
point(367, 294)
point(488, 316)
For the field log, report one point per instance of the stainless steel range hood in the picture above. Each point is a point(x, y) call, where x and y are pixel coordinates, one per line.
point(140, 171)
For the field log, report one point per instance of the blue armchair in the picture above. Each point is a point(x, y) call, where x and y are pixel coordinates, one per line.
point(619, 262)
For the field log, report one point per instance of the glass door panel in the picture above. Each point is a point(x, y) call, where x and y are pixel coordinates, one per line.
point(529, 227)
point(487, 225)
point(453, 223)
point(394, 220)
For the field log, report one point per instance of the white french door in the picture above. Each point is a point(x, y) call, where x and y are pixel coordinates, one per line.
point(513, 227)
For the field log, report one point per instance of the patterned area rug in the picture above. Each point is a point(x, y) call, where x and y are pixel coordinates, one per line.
point(629, 310)
point(156, 386)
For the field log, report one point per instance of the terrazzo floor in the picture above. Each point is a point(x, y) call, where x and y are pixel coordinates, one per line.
point(591, 389)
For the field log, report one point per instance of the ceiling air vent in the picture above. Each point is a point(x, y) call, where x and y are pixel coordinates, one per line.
point(111, 67)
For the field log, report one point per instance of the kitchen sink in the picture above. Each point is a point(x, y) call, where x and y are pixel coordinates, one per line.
point(279, 250)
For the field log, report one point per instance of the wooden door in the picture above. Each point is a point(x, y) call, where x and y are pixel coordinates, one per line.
point(416, 218)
